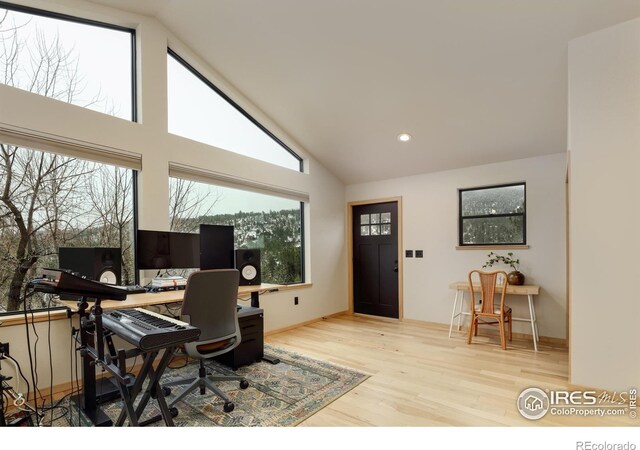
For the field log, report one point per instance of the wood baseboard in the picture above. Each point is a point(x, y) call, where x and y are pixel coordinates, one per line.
point(387, 319)
point(301, 324)
point(552, 341)
point(547, 340)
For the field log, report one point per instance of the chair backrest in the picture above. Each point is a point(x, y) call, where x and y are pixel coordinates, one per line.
point(488, 284)
point(210, 300)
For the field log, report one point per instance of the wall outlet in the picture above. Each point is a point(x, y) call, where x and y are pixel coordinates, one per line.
point(408, 253)
point(295, 300)
point(4, 348)
point(419, 254)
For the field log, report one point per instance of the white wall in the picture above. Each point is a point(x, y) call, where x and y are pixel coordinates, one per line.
point(325, 242)
point(430, 223)
point(61, 355)
point(604, 141)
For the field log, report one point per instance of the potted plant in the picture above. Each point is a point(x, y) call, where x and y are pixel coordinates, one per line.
point(514, 277)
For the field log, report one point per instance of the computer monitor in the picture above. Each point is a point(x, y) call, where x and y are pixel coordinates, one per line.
point(167, 250)
point(217, 247)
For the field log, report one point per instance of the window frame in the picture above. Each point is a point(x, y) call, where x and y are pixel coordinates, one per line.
point(303, 278)
point(241, 110)
point(248, 189)
point(96, 23)
point(461, 218)
point(134, 192)
point(134, 238)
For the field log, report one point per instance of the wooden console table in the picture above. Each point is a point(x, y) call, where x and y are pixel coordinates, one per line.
point(526, 289)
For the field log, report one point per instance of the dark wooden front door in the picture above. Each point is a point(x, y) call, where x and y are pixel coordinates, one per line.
point(375, 259)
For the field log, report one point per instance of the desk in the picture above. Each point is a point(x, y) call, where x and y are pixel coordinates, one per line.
point(527, 289)
point(162, 298)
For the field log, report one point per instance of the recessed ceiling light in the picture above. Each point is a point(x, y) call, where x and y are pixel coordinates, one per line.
point(404, 137)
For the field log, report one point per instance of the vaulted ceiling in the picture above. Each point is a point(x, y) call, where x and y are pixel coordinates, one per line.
point(473, 82)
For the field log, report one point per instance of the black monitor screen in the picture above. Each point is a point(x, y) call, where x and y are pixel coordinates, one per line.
point(216, 247)
point(167, 250)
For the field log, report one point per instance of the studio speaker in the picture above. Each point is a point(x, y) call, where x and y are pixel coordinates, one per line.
point(248, 263)
point(96, 263)
point(216, 247)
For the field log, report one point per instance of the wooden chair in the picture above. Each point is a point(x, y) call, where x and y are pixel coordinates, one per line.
point(486, 311)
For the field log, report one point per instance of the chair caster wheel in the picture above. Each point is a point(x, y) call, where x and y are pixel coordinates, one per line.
point(228, 407)
point(166, 390)
point(244, 384)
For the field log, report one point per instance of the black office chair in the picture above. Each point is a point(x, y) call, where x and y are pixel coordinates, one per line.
point(209, 303)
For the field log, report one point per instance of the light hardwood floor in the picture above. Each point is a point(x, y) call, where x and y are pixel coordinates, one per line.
point(420, 377)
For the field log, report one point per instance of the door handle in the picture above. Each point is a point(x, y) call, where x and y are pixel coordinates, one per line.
point(395, 266)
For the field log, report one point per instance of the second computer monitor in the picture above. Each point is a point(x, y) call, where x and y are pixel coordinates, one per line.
point(167, 250)
point(217, 247)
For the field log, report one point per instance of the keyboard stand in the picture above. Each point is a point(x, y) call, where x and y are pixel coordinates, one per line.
point(154, 389)
point(92, 349)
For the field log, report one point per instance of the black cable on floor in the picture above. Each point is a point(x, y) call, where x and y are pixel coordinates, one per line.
point(35, 361)
point(71, 352)
point(33, 376)
point(21, 375)
point(50, 355)
point(77, 386)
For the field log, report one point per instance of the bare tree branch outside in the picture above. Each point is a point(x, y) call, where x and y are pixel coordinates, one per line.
point(48, 200)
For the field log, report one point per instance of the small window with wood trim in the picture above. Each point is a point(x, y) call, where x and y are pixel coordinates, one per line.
point(493, 215)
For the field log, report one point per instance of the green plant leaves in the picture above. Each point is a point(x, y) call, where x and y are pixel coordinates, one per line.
point(508, 260)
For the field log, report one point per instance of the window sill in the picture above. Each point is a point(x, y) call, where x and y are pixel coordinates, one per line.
point(60, 314)
point(43, 316)
point(492, 247)
point(289, 287)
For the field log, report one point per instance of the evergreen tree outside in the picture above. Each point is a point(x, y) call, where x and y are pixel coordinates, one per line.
point(277, 233)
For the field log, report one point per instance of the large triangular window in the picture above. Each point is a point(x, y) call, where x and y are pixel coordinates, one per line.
point(200, 111)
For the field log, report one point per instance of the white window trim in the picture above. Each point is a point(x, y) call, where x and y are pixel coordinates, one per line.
point(74, 148)
point(178, 170)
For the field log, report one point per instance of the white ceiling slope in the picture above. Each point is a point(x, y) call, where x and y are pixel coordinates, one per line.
point(473, 81)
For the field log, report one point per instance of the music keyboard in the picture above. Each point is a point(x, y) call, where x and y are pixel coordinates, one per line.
point(54, 281)
point(148, 330)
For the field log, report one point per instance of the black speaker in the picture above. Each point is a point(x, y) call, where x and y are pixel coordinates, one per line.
point(248, 263)
point(95, 263)
point(216, 247)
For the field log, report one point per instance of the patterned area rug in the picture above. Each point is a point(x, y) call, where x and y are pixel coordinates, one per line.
point(278, 395)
